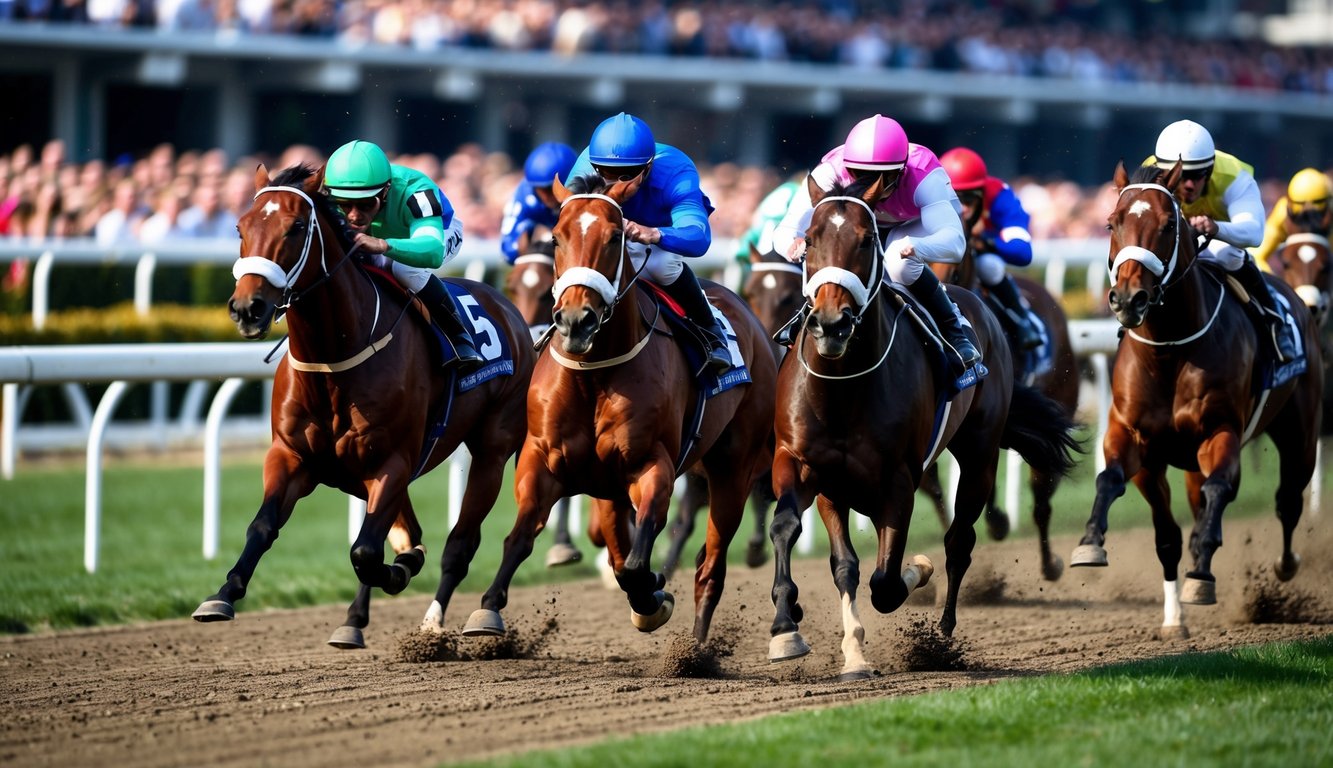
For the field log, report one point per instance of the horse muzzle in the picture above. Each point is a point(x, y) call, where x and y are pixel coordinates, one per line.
point(577, 328)
point(831, 332)
point(1129, 305)
point(253, 316)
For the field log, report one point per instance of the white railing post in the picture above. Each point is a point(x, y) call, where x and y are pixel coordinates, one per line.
point(9, 423)
point(356, 515)
point(213, 464)
point(143, 283)
point(41, 288)
point(459, 464)
point(1101, 378)
point(92, 496)
point(1013, 474)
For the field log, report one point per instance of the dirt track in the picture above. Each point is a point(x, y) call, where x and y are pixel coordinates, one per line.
point(265, 690)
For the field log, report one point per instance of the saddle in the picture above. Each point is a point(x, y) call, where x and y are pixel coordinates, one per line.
point(902, 300)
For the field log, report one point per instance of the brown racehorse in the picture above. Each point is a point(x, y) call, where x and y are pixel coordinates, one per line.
point(1059, 382)
point(358, 392)
point(529, 286)
point(1186, 392)
point(609, 415)
point(1304, 262)
point(858, 400)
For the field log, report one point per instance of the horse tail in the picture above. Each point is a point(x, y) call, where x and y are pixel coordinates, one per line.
point(1042, 433)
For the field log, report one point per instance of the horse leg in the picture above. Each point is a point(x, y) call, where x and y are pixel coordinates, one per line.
point(1156, 490)
point(386, 499)
point(484, 477)
point(536, 491)
point(890, 584)
point(786, 641)
point(761, 495)
point(562, 551)
point(977, 468)
point(694, 499)
point(846, 568)
point(1296, 445)
point(1219, 461)
point(650, 498)
point(1122, 461)
point(934, 490)
point(403, 537)
point(725, 510)
point(1043, 488)
point(285, 482)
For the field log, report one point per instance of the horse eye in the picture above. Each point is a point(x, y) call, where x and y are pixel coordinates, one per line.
point(298, 228)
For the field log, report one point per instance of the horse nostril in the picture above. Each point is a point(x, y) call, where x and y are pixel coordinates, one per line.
point(1113, 300)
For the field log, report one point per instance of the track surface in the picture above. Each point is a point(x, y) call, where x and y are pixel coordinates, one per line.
point(265, 690)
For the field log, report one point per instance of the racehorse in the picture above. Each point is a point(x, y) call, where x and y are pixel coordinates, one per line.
point(529, 286)
point(1054, 373)
point(1304, 262)
point(361, 401)
point(615, 412)
point(1189, 388)
point(773, 291)
point(864, 407)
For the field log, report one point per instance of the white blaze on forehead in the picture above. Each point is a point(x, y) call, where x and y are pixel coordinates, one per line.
point(1140, 207)
point(770, 282)
point(1307, 253)
point(530, 279)
point(270, 208)
point(837, 220)
point(586, 220)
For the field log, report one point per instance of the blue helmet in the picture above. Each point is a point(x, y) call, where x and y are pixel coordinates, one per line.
point(623, 140)
point(548, 161)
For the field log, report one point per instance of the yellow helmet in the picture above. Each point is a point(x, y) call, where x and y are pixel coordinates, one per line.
point(1309, 188)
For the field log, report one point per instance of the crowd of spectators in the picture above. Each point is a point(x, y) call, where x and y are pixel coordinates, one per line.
point(1089, 42)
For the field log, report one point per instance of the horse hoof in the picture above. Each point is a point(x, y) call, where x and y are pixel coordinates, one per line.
point(647, 623)
point(787, 646)
point(1178, 632)
point(917, 575)
point(347, 638)
point(1198, 591)
point(433, 621)
point(1088, 555)
point(756, 555)
point(1053, 569)
point(562, 554)
point(214, 610)
point(1286, 567)
point(852, 674)
point(484, 623)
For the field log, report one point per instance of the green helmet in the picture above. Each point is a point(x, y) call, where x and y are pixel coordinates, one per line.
point(357, 169)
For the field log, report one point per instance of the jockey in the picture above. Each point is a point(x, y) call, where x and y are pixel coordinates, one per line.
point(1308, 196)
point(400, 215)
point(533, 204)
point(766, 219)
point(1221, 200)
point(999, 235)
point(669, 211)
point(919, 219)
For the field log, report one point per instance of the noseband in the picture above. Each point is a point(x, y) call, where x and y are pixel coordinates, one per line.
point(609, 290)
point(1151, 261)
point(862, 293)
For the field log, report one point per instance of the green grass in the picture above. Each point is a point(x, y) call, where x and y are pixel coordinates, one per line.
point(1265, 706)
point(151, 565)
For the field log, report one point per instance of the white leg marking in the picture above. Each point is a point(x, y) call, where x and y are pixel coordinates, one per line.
point(1171, 613)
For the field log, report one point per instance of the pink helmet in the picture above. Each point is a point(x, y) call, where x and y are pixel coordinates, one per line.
point(876, 144)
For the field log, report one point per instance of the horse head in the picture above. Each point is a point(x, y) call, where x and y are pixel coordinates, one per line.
point(1151, 241)
point(1305, 261)
point(590, 257)
point(530, 282)
point(845, 261)
point(773, 288)
point(278, 235)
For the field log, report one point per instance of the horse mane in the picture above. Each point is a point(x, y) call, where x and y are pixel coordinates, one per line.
point(295, 178)
point(1146, 174)
point(853, 188)
point(586, 184)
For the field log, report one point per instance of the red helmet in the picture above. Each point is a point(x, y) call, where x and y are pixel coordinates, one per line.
point(966, 169)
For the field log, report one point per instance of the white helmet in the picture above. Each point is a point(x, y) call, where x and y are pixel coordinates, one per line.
point(1186, 141)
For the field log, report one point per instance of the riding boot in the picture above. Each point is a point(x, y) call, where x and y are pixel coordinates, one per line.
point(930, 292)
point(1016, 313)
point(1252, 280)
point(445, 312)
point(690, 296)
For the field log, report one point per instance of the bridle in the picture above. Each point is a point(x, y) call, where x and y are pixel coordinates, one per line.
point(286, 281)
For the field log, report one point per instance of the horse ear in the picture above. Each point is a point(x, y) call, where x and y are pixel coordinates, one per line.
point(875, 191)
point(624, 190)
point(1173, 176)
point(559, 190)
point(315, 181)
point(816, 192)
point(1120, 179)
point(261, 177)
point(755, 256)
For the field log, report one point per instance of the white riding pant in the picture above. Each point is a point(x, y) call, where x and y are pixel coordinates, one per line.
point(411, 278)
point(900, 269)
point(990, 268)
point(1228, 256)
point(663, 266)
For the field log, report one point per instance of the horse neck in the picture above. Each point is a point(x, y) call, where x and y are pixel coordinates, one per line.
point(1187, 307)
point(337, 317)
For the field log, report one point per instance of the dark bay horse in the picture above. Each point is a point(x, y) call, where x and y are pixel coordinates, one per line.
point(1057, 378)
point(529, 286)
point(611, 414)
point(1188, 390)
point(858, 400)
point(1306, 264)
point(357, 395)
